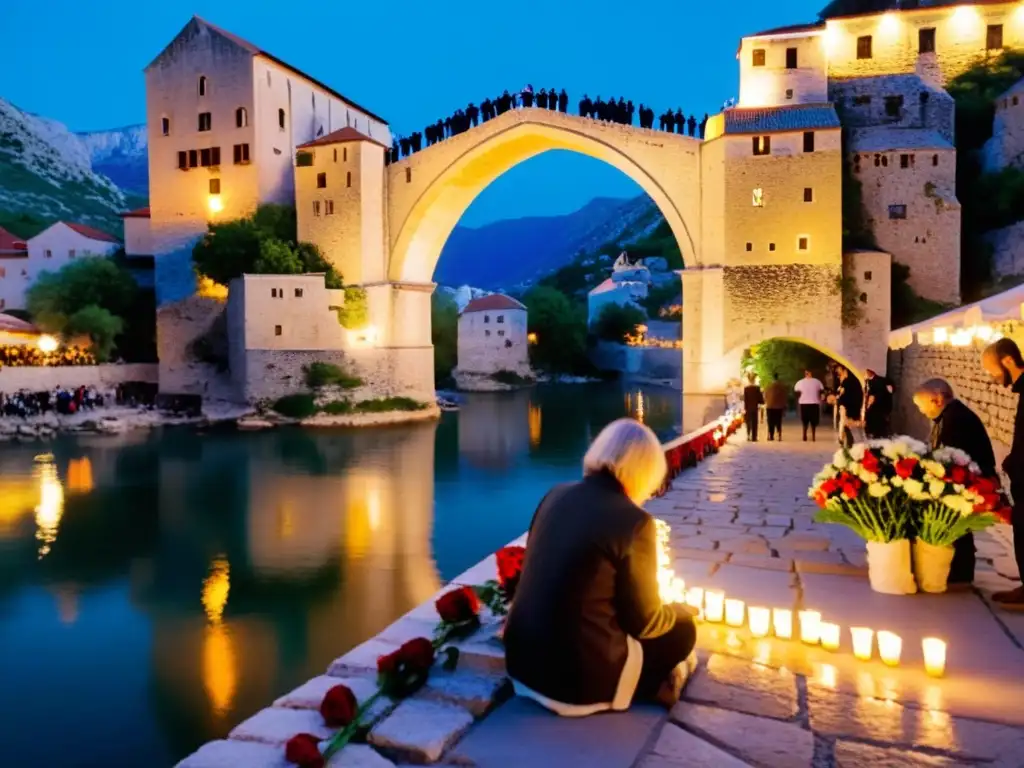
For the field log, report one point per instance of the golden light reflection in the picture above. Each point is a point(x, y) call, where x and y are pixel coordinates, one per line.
point(50, 508)
point(640, 407)
point(216, 587)
point(220, 668)
point(763, 652)
point(535, 425)
point(80, 475)
point(365, 513)
point(285, 521)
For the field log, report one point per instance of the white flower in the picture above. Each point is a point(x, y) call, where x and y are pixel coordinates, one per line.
point(857, 451)
point(936, 487)
point(839, 460)
point(878, 490)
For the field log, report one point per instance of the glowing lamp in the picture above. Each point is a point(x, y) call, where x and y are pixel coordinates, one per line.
point(782, 619)
point(47, 344)
point(829, 634)
point(531, 338)
point(940, 335)
point(714, 605)
point(985, 332)
point(889, 23)
point(934, 656)
point(695, 599)
point(678, 590)
point(760, 620)
point(890, 645)
point(863, 641)
point(828, 675)
point(810, 627)
point(963, 16)
point(734, 610)
point(215, 204)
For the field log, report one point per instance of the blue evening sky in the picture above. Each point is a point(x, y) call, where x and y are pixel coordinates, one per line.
point(81, 63)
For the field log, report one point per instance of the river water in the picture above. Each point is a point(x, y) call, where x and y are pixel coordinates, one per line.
point(157, 588)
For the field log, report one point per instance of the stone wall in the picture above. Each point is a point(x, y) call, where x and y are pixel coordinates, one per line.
point(1007, 249)
point(772, 82)
point(493, 341)
point(866, 343)
point(178, 326)
point(102, 377)
point(1006, 147)
point(861, 102)
point(639, 362)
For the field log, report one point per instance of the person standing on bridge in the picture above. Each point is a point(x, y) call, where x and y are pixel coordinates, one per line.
point(776, 397)
point(552, 100)
point(691, 125)
point(680, 122)
point(473, 114)
point(417, 140)
point(585, 106)
point(752, 400)
point(404, 143)
point(527, 95)
point(563, 101)
point(809, 391)
point(542, 99)
point(703, 125)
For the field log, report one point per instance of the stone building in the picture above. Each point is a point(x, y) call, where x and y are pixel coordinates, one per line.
point(628, 284)
point(1006, 147)
point(493, 338)
point(13, 270)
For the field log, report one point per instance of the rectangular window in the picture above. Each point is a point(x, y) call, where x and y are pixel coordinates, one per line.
point(750, 246)
point(808, 194)
point(757, 198)
point(48, 254)
point(205, 121)
point(214, 186)
point(757, 58)
point(791, 58)
point(905, 161)
point(926, 40)
point(867, 276)
point(328, 207)
point(344, 154)
point(241, 154)
point(71, 253)
point(771, 246)
point(808, 141)
point(487, 333)
point(862, 101)
point(501, 333)
point(789, 93)
point(501, 318)
point(864, 47)
point(204, 157)
point(193, 158)
point(183, 160)
point(893, 106)
point(762, 145)
point(935, 159)
point(215, 155)
point(273, 293)
point(298, 293)
point(897, 211)
point(994, 37)
point(316, 207)
point(165, 126)
point(321, 181)
point(802, 242)
point(348, 179)
point(277, 330)
point(487, 318)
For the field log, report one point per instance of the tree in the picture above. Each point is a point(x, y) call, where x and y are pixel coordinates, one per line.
point(561, 330)
point(278, 258)
point(789, 359)
point(617, 321)
point(99, 325)
point(444, 333)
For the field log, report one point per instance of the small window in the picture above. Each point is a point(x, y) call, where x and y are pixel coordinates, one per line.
point(277, 330)
point(280, 119)
point(864, 47)
point(808, 141)
point(268, 79)
point(205, 158)
point(897, 211)
point(771, 246)
point(193, 158)
point(241, 154)
point(893, 105)
point(757, 59)
point(791, 58)
point(935, 159)
point(215, 156)
point(867, 276)
point(750, 246)
point(923, 97)
point(344, 154)
point(165, 126)
point(316, 207)
point(273, 293)
point(348, 179)
point(762, 145)
point(501, 319)
point(183, 160)
point(321, 181)
point(501, 333)
point(214, 186)
point(298, 293)
point(994, 37)
point(71, 253)
point(335, 154)
point(885, 161)
point(789, 93)
point(508, 343)
point(906, 160)
point(487, 318)
point(487, 333)
point(862, 101)
point(408, 175)
point(1015, 101)
point(48, 254)
point(802, 243)
point(202, 85)
point(926, 40)
point(328, 207)
point(241, 117)
point(757, 198)
point(808, 194)
point(205, 121)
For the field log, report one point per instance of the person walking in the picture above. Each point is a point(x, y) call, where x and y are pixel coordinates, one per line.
point(808, 391)
point(851, 404)
point(954, 425)
point(878, 410)
point(752, 399)
point(1003, 362)
point(775, 397)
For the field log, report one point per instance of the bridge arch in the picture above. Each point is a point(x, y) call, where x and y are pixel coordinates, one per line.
point(429, 191)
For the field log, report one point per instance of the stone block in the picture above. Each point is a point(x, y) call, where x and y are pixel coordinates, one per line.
point(476, 693)
point(755, 739)
point(747, 543)
point(802, 541)
point(695, 542)
point(761, 561)
point(676, 747)
point(743, 686)
point(420, 730)
point(275, 725)
point(231, 754)
point(850, 754)
point(311, 693)
point(706, 555)
point(361, 658)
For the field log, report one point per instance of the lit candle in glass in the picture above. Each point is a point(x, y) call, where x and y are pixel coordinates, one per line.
point(782, 619)
point(714, 605)
point(829, 634)
point(890, 646)
point(734, 612)
point(863, 640)
point(678, 590)
point(760, 620)
point(934, 656)
point(810, 627)
point(695, 599)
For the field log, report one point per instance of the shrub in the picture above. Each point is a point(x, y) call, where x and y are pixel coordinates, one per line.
point(382, 404)
point(617, 321)
point(299, 406)
point(337, 407)
point(510, 377)
point(354, 315)
point(320, 374)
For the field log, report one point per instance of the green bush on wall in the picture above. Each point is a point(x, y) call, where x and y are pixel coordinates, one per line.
point(320, 374)
point(300, 406)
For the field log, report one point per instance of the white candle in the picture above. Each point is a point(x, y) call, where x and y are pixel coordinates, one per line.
point(829, 634)
point(714, 605)
point(810, 627)
point(678, 590)
point(760, 621)
point(783, 621)
point(890, 646)
point(934, 656)
point(863, 640)
point(734, 612)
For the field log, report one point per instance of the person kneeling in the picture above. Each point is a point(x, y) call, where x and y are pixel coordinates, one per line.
point(587, 631)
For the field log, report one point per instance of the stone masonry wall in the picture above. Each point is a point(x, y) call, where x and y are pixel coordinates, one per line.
point(861, 103)
point(1006, 147)
point(102, 377)
point(1007, 249)
point(866, 343)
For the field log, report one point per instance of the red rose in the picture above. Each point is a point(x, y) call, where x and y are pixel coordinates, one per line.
point(459, 605)
point(905, 467)
point(870, 462)
point(829, 487)
point(510, 567)
point(304, 750)
point(958, 474)
point(339, 706)
point(388, 663)
point(417, 653)
point(1003, 513)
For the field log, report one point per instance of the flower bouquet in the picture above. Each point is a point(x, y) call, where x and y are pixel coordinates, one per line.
point(863, 489)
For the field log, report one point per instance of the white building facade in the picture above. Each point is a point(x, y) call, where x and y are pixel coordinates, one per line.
point(493, 337)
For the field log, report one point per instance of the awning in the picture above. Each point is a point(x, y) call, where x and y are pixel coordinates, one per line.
point(963, 325)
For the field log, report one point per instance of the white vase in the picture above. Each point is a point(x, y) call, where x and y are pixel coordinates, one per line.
point(931, 566)
point(889, 567)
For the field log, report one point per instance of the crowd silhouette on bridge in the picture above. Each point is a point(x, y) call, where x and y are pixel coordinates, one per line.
point(620, 111)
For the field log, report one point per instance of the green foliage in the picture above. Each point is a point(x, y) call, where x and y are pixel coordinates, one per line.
point(99, 325)
point(975, 92)
point(907, 306)
point(337, 407)
point(444, 333)
point(23, 225)
point(320, 374)
point(561, 329)
point(277, 258)
point(660, 242)
point(1002, 194)
point(511, 378)
point(617, 321)
point(384, 404)
point(787, 358)
point(355, 314)
point(852, 311)
point(660, 294)
point(300, 406)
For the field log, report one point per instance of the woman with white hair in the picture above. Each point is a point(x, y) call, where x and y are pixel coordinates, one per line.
point(587, 631)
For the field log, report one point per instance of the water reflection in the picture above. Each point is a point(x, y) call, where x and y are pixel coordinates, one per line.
point(219, 664)
point(50, 508)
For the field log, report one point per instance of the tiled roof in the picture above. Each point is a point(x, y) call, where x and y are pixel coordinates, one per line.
point(789, 30)
point(887, 139)
point(346, 134)
point(138, 213)
point(91, 232)
point(12, 324)
point(491, 303)
point(12, 245)
point(801, 117)
point(257, 51)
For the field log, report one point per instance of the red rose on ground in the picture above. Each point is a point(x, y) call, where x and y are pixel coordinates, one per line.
point(458, 606)
point(510, 566)
point(388, 663)
point(905, 467)
point(870, 462)
point(417, 654)
point(304, 750)
point(958, 474)
point(339, 706)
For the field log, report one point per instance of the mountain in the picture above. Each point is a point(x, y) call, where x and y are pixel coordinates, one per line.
point(121, 156)
point(512, 252)
point(47, 173)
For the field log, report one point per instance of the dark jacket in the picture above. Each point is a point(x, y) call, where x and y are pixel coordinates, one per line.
point(959, 427)
point(851, 397)
point(878, 389)
point(1013, 464)
point(752, 397)
point(589, 579)
point(776, 396)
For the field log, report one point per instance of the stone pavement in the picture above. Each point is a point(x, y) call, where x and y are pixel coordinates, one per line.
point(741, 522)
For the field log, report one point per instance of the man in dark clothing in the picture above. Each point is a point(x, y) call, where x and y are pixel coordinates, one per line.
point(776, 396)
point(563, 101)
point(1003, 362)
point(417, 141)
point(486, 109)
point(956, 426)
point(704, 124)
point(552, 100)
point(404, 142)
point(878, 412)
point(472, 113)
point(630, 111)
point(691, 125)
point(752, 398)
point(585, 106)
point(851, 398)
point(542, 99)
point(679, 121)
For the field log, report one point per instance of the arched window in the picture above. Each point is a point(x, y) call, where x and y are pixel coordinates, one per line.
point(280, 118)
point(241, 117)
point(202, 85)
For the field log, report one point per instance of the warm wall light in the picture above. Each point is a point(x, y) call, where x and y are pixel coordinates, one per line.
point(863, 640)
point(810, 627)
point(828, 675)
point(829, 636)
point(940, 335)
point(934, 656)
point(964, 16)
point(734, 610)
point(215, 204)
point(889, 23)
point(678, 590)
point(760, 621)
point(890, 646)
point(47, 343)
point(782, 619)
point(714, 605)
point(531, 338)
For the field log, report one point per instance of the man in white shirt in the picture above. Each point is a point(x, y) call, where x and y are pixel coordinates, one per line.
point(809, 390)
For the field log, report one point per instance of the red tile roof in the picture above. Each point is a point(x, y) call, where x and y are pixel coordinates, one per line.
point(138, 213)
point(342, 136)
point(12, 245)
point(493, 302)
point(91, 232)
